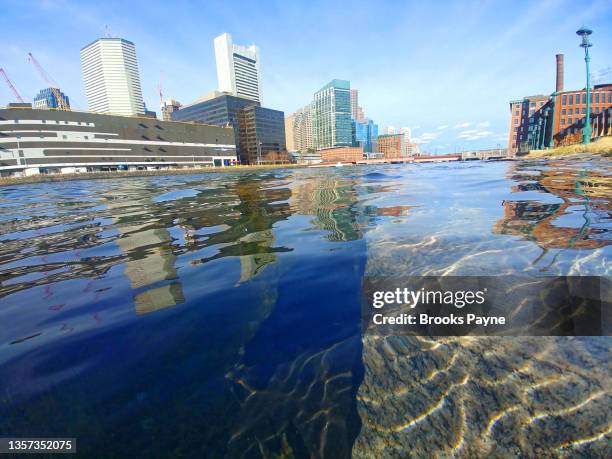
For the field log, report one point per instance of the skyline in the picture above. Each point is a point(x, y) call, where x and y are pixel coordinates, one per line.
point(427, 49)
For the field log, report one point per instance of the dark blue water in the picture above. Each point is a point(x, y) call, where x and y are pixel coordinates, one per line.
point(218, 315)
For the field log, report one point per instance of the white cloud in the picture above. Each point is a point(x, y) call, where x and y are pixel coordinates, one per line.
point(484, 124)
point(462, 125)
point(441, 128)
point(474, 134)
point(426, 137)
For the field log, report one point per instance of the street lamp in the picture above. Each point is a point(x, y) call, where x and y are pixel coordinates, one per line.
point(586, 131)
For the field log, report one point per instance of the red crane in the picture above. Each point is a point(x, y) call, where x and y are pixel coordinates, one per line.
point(11, 85)
point(61, 102)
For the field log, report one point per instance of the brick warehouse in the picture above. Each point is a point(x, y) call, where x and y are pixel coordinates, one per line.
point(535, 119)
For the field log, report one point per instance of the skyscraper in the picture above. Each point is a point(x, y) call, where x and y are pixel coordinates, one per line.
point(356, 111)
point(290, 131)
point(331, 115)
point(112, 82)
point(237, 68)
point(47, 98)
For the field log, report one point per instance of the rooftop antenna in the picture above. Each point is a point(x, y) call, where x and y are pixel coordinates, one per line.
point(106, 31)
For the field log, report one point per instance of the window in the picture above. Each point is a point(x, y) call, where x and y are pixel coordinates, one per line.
point(610, 97)
point(571, 99)
point(565, 100)
point(584, 98)
point(597, 98)
point(86, 137)
point(563, 122)
point(563, 112)
point(64, 137)
point(584, 111)
point(569, 121)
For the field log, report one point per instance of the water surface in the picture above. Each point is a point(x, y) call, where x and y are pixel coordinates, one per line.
point(217, 315)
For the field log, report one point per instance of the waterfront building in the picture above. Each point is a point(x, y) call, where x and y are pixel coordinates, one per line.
point(331, 116)
point(366, 133)
point(538, 122)
point(40, 141)
point(395, 146)
point(523, 121)
point(563, 117)
point(168, 107)
point(238, 68)
point(112, 81)
point(261, 135)
point(258, 132)
point(47, 99)
point(341, 154)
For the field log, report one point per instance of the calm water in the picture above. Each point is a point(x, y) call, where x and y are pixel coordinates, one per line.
point(217, 315)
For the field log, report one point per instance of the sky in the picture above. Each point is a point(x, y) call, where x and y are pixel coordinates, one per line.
point(446, 69)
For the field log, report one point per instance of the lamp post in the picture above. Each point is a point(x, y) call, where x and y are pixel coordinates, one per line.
point(586, 131)
point(543, 138)
point(553, 106)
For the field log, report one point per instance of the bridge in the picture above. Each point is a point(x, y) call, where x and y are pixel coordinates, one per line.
point(496, 153)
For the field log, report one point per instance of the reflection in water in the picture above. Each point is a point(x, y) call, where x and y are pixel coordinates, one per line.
point(580, 220)
point(218, 315)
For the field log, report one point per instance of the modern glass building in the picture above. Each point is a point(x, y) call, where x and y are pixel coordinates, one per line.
point(366, 133)
point(254, 126)
point(46, 99)
point(261, 135)
point(331, 116)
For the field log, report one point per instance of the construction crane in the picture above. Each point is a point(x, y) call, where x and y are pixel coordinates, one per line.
point(61, 102)
point(11, 85)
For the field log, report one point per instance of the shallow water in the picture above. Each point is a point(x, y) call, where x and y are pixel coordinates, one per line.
point(218, 315)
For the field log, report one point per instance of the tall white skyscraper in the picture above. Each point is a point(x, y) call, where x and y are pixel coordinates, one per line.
point(237, 68)
point(112, 82)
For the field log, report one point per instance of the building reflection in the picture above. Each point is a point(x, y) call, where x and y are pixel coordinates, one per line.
point(572, 223)
point(150, 261)
point(332, 203)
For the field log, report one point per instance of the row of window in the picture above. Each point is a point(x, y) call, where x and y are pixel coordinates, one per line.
point(596, 97)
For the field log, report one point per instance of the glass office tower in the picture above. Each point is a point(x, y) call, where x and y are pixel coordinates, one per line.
point(331, 116)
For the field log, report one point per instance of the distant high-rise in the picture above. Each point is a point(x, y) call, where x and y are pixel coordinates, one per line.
point(298, 130)
point(237, 68)
point(168, 107)
point(356, 111)
point(112, 82)
point(47, 99)
point(290, 131)
point(331, 116)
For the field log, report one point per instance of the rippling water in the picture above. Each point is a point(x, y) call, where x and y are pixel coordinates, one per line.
point(218, 315)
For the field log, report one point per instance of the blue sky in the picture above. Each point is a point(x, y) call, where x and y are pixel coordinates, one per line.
point(445, 69)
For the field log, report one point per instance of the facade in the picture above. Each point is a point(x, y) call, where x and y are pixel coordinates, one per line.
point(261, 135)
point(238, 68)
point(563, 117)
point(168, 107)
point(356, 111)
point(112, 81)
point(341, 155)
point(290, 131)
point(366, 134)
point(303, 129)
point(34, 141)
point(396, 146)
point(263, 124)
point(523, 121)
point(47, 99)
point(298, 129)
point(331, 116)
